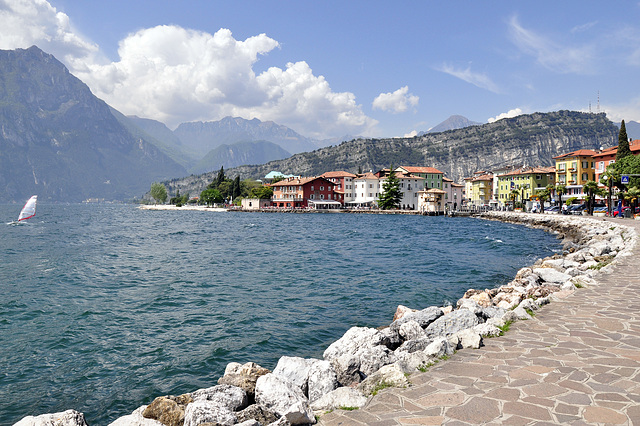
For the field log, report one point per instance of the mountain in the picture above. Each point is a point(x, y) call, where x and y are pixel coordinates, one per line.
point(532, 139)
point(163, 138)
point(201, 137)
point(633, 129)
point(452, 123)
point(62, 143)
point(252, 152)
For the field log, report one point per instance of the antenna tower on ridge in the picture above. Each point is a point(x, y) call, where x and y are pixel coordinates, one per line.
point(598, 108)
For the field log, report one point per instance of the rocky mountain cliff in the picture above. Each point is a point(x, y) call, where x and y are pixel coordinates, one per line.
point(532, 139)
point(202, 137)
point(61, 142)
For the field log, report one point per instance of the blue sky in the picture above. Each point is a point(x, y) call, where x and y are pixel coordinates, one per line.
point(335, 68)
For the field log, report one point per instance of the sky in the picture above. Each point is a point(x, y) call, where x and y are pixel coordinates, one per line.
point(336, 68)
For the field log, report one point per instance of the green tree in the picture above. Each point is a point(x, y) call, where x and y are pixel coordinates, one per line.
point(158, 192)
point(236, 189)
point(627, 166)
point(391, 195)
point(590, 188)
point(211, 196)
point(543, 195)
point(514, 194)
point(608, 178)
point(623, 143)
point(560, 191)
point(262, 192)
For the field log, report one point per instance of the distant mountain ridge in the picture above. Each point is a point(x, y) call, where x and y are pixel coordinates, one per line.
point(452, 123)
point(61, 142)
point(238, 154)
point(530, 139)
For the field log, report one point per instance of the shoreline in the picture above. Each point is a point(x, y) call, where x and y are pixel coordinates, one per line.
point(577, 233)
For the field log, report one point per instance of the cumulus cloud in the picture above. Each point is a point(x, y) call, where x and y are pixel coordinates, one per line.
point(511, 113)
point(173, 74)
point(477, 79)
point(551, 54)
point(396, 102)
point(411, 134)
point(29, 22)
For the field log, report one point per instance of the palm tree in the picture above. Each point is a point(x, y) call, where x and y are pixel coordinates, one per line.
point(560, 190)
point(543, 196)
point(590, 188)
point(513, 195)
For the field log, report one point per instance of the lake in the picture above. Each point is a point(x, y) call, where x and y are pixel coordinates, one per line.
point(105, 307)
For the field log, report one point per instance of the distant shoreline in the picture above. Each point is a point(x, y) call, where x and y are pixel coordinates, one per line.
point(172, 207)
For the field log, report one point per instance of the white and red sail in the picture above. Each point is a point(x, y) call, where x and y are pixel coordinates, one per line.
point(29, 209)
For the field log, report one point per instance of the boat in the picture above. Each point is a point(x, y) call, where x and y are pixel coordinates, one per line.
point(29, 209)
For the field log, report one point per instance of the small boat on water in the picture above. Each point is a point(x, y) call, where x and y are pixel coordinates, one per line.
point(29, 209)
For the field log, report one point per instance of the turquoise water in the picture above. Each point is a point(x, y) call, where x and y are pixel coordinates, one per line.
point(104, 307)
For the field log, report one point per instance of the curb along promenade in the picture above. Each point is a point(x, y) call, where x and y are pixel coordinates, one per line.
point(577, 361)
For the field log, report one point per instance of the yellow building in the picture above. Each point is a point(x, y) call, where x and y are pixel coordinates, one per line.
point(527, 181)
point(481, 189)
point(574, 169)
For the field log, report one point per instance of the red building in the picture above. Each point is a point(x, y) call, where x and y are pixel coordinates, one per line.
point(342, 185)
point(306, 192)
point(608, 156)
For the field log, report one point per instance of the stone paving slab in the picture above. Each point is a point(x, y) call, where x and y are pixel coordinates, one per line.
point(576, 362)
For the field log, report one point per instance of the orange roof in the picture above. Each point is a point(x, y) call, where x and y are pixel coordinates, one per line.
point(337, 174)
point(367, 175)
point(578, 153)
point(634, 146)
point(482, 177)
point(299, 181)
point(446, 179)
point(531, 170)
point(418, 169)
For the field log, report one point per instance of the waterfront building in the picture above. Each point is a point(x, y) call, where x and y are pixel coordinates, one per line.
point(255, 203)
point(410, 185)
point(573, 170)
point(527, 181)
point(481, 188)
point(343, 185)
point(608, 156)
point(367, 188)
point(296, 192)
point(433, 178)
point(453, 193)
point(431, 201)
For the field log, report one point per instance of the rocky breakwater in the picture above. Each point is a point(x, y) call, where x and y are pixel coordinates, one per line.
point(365, 360)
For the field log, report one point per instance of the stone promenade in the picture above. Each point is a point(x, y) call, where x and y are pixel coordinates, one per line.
point(576, 362)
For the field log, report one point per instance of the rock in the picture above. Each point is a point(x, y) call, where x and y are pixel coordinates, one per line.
point(294, 369)
point(279, 395)
point(411, 330)
point(230, 397)
point(249, 423)
point(387, 376)
point(135, 419)
point(243, 376)
point(258, 413)
point(492, 312)
point(300, 414)
point(470, 305)
point(204, 411)
point(372, 359)
point(341, 397)
point(347, 368)
point(322, 380)
point(483, 299)
point(447, 309)
point(353, 342)
point(508, 297)
point(528, 304)
point(168, 410)
point(550, 275)
point(466, 339)
point(416, 345)
point(487, 330)
point(452, 323)
point(568, 286)
point(423, 317)
point(390, 338)
point(402, 311)
point(65, 418)
point(521, 313)
point(411, 362)
point(438, 348)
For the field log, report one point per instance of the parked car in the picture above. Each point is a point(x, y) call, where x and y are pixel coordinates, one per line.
point(577, 208)
point(616, 212)
point(553, 209)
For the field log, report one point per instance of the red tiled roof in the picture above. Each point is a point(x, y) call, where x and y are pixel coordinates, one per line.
point(419, 169)
point(337, 174)
point(531, 170)
point(482, 177)
point(299, 181)
point(578, 153)
point(634, 146)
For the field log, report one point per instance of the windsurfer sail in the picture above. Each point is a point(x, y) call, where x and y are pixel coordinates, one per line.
point(29, 209)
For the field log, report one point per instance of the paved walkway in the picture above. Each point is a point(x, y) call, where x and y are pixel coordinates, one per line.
point(576, 362)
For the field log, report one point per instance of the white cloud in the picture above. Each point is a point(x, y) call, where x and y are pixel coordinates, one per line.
point(411, 134)
point(396, 102)
point(174, 75)
point(477, 79)
point(511, 113)
point(29, 22)
point(551, 54)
